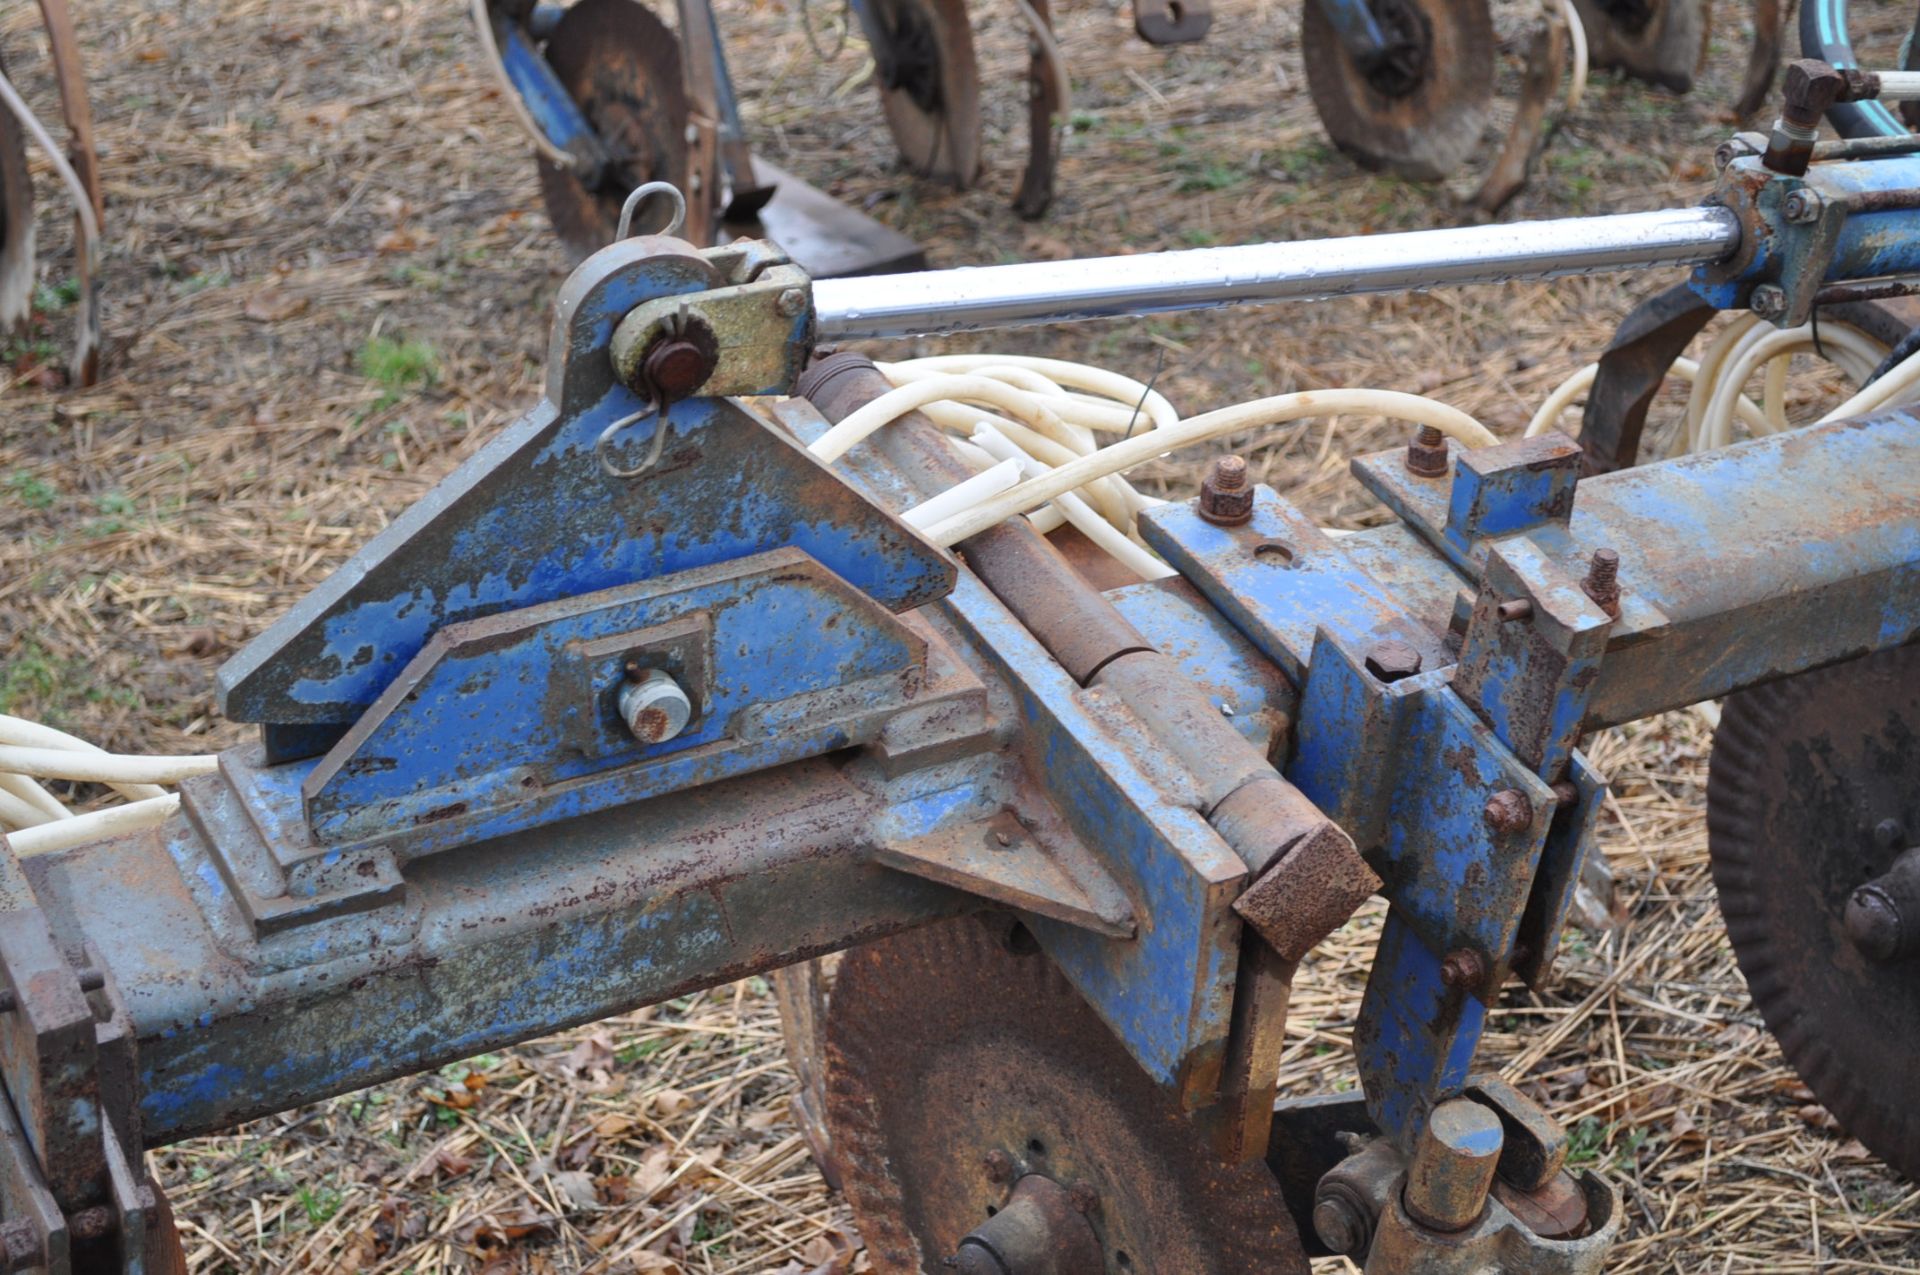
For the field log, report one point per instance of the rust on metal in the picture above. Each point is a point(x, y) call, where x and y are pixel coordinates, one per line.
point(1509, 812)
point(1535, 1146)
point(1453, 1166)
point(1805, 773)
point(1391, 660)
point(1602, 582)
point(1226, 497)
point(1427, 454)
point(948, 1044)
point(1315, 887)
point(1040, 1230)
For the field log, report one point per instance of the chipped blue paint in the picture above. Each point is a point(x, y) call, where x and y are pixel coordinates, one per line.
point(1168, 994)
point(1415, 1037)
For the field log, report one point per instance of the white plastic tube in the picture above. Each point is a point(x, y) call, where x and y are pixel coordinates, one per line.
point(963, 495)
point(18, 730)
point(1258, 414)
point(1076, 511)
point(103, 768)
point(34, 795)
point(113, 821)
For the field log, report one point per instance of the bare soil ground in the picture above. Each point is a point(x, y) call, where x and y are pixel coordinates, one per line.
point(328, 281)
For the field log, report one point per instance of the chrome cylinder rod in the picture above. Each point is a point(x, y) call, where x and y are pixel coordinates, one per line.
point(971, 298)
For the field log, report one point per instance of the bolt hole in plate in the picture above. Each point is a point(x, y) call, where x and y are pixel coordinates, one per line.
point(1275, 553)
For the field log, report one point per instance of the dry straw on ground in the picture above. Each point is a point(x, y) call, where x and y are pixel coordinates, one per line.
point(327, 282)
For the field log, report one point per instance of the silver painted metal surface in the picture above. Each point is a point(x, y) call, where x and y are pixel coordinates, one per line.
point(972, 298)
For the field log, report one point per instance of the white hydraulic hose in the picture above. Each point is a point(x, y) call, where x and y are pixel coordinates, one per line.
point(1887, 391)
point(1080, 376)
point(964, 495)
point(47, 838)
point(1577, 36)
point(103, 768)
point(34, 797)
point(1258, 414)
point(18, 730)
point(1076, 511)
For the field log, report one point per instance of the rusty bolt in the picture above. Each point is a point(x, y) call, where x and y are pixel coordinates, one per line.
point(1565, 792)
point(1392, 660)
point(1514, 609)
point(1603, 581)
point(790, 302)
point(1809, 87)
point(1340, 1224)
point(1803, 206)
point(1768, 301)
point(1225, 498)
point(1462, 968)
point(654, 706)
point(1427, 453)
point(999, 1166)
point(1083, 1197)
point(1873, 924)
point(676, 366)
point(1509, 811)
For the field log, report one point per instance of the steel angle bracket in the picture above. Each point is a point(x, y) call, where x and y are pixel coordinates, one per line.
point(534, 518)
point(512, 721)
point(1168, 992)
point(1406, 767)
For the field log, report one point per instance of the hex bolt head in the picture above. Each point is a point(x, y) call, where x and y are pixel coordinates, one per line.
point(1768, 301)
point(1427, 455)
point(1873, 925)
point(1803, 207)
point(1340, 1224)
point(1453, 1166)
point(1462, 969)
point(999, 1166)
point(654, 707)
point(1509, 811)
point(1226, 498)
point(790, 302)
point(1392, 660)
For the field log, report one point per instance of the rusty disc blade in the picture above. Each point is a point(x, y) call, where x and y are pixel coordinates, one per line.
point(1663, 42)
point(929, 86)
point(16, 225)
point(1814, 790)
point(949, 1044)
point(622, 65)
point(1422, 118)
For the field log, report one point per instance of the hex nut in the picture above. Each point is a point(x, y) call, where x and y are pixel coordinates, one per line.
point(1509, 811)
point(1392, 660)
